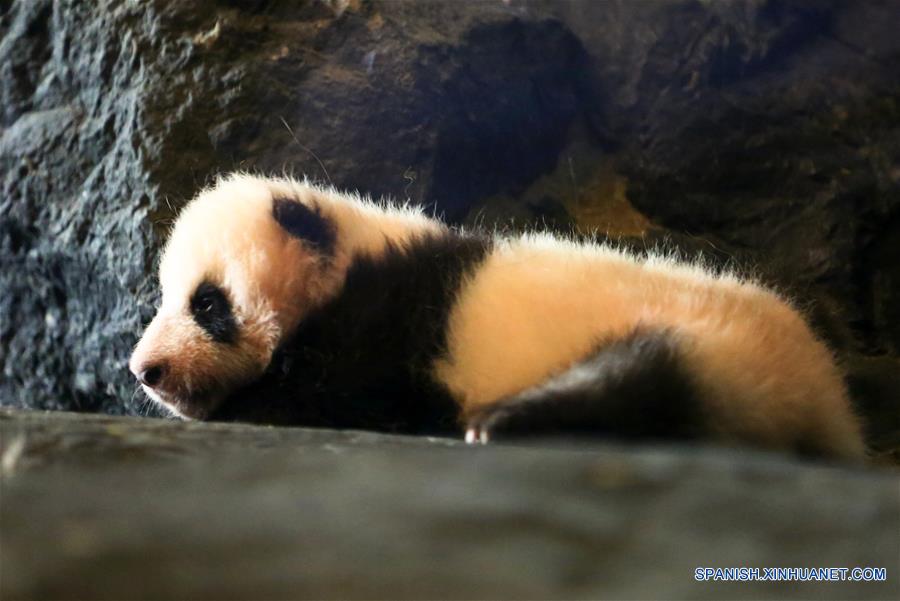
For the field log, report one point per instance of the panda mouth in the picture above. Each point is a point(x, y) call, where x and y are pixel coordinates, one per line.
point(196, 406)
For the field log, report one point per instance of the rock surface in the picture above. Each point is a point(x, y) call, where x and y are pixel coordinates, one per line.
point(761, 130)
point(111, 508)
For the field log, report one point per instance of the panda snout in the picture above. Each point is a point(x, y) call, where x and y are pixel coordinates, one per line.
point(149, 375)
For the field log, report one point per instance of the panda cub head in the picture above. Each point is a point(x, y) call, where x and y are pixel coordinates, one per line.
point(245, 261)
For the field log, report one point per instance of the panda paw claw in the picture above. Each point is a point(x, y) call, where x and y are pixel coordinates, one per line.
point(477, 435)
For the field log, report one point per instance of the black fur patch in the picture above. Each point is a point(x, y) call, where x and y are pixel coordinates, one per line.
point(631, 388)
point(363, 360)
point(211, 310)
point(304, 223)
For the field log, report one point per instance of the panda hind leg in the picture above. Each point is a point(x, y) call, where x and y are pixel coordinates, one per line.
point(631, 388)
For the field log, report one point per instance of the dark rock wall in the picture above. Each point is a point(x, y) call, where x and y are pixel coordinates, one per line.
point(766, 130)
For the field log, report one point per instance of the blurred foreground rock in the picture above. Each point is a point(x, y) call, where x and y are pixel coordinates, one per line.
point(114, 508)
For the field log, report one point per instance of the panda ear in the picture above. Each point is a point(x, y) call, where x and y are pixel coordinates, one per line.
point(305, 223)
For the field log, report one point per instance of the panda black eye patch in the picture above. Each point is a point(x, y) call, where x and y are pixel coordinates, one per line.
point(211, 310)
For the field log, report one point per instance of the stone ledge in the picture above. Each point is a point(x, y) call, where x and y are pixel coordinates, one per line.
point(109, 507)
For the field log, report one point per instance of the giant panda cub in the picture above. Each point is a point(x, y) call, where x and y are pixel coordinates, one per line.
point(285, 302)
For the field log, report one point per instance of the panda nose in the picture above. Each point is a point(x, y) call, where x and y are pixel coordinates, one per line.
point(152, 375)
